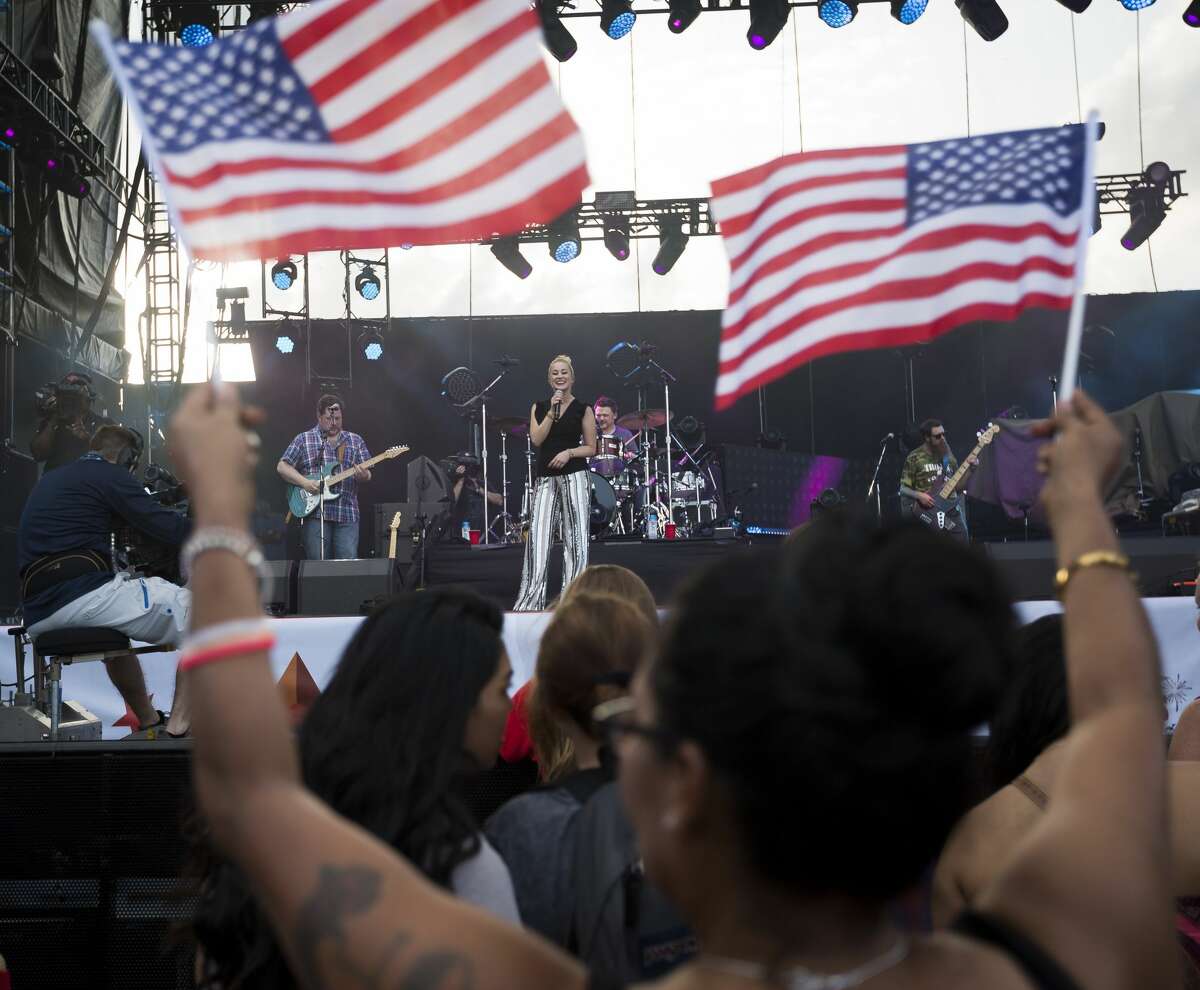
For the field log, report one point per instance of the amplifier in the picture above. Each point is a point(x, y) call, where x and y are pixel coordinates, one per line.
point(279, 587)
point(341, 587)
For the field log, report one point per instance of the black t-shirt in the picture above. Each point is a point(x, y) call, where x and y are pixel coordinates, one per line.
point(565, 433)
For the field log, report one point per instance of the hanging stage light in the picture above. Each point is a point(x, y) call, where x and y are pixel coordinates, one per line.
point(908, 11)
point(64, 174)
point(985, 16)
point(1076, 6)
point(285, 343)
point(616, 18)
point(564, 241)
point(1137, 4)
point(367, 283)
point(1191, 16)
point(837, 13)
point(616, 237)
point(558, 40)
point(767, 18)
point(371, 344)
point(198, 27)
point(671, 242)
point(507, 251)
point(683, 12)
point(1147, 210)
point(283, 275)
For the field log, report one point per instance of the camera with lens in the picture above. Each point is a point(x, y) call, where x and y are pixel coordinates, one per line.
point(66, 399)
point(141, 552)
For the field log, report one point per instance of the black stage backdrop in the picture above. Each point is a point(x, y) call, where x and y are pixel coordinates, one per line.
point(842, 405)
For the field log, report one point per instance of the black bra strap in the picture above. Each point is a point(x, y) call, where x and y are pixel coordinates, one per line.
point(1043, 972)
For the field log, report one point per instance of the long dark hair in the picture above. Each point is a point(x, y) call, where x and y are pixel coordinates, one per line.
point(382, 746)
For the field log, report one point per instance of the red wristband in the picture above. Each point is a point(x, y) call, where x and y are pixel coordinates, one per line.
point(225, 651)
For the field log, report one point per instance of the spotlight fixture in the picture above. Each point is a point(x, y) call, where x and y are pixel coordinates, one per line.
point(616, 18)
point(507, 251)
point(1157, 174)
point(1191, 16)
point(908, 11)
point(283, 275)
point(367, 285)
point(683, 12)
point(671, 242)
point(1076, 6)
point(285, 343)
point(64, 174)
point(564, 241)
point(558, 40)
point(371, 344)
point(985, 16)
point(260, 10)
point(1137, 4)
point(767, 18)
point(198, 33)
point(1147, 210)
point(616, 237)
point(837, 13)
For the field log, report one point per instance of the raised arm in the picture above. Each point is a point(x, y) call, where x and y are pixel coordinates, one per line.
point(1091, 881)
point(538, 431)
point(348, 911)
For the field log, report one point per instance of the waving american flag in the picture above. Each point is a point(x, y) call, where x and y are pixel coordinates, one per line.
point(355, 124)
point(878, 247)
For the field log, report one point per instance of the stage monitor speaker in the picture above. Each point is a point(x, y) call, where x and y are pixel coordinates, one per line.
point(279, 588)
point(384, 512)
point(426, 482)
point(776, 488)
point(342, 587)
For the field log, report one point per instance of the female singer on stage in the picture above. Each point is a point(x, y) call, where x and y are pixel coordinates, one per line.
point(557, 428)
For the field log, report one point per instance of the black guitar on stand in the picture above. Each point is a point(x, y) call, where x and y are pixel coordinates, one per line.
point(947, 499)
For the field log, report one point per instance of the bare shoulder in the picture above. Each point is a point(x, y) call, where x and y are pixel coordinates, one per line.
point(947, 959)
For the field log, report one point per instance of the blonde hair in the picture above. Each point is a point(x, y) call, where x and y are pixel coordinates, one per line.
point(565, 359)
point(613, 579)
point(591, 638)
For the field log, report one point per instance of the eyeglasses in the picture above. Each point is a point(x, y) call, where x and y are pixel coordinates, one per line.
point(615, 717)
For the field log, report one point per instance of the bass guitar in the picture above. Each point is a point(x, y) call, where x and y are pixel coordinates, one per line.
point(302, 503)
point(944, 513)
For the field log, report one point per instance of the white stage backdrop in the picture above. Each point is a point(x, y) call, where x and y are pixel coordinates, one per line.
point(319, 643)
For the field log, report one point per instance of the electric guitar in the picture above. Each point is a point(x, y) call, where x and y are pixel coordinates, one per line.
point(944, 513)
point(392, 539)
point(302, 503)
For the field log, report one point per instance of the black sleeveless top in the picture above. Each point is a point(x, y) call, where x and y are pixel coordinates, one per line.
point(564, 434)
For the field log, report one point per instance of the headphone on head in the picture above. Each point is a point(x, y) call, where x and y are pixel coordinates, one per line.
point(132, 453)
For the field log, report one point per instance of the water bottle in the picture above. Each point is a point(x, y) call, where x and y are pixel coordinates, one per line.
point(652, 532)
point(466, 532)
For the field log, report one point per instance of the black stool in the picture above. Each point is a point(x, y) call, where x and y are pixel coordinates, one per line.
point(51, 650)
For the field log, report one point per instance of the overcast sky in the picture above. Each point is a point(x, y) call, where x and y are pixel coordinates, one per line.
point(665, 114)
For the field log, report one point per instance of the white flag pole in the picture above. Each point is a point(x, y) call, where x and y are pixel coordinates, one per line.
point(1087, 200)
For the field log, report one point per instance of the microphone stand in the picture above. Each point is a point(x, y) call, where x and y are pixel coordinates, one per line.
point(874, 486)
point(481, 399)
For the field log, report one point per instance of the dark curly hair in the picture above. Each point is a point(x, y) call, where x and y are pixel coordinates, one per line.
point(383, 747)
point(833, 685)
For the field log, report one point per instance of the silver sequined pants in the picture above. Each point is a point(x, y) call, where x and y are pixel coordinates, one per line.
point(568, 496)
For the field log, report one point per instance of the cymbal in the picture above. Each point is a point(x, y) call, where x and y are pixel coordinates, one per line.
point(513, 425)
point(645, 419)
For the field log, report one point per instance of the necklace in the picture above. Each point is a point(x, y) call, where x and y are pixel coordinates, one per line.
point(801, 978)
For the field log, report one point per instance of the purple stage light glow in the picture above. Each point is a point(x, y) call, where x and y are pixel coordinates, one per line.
point(757, 41)
point(1127, 243)
point(9, 132)
point(1190, 18)
point(676, 22)
point(51, 163)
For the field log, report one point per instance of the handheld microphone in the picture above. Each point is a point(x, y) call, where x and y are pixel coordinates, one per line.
point(508, 362)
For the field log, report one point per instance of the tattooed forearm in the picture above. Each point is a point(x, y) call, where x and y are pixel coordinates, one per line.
point(341, 893)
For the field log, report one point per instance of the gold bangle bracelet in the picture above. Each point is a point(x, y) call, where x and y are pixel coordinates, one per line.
point(1093, 558)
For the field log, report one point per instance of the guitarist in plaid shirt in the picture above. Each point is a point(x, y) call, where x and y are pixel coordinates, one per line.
point(328, 443)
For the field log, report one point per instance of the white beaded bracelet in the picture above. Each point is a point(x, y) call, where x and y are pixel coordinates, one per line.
point(200, 639)
point(235, 541)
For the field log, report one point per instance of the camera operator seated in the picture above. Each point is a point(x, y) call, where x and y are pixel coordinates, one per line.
point(67, 422)
point(66, 572)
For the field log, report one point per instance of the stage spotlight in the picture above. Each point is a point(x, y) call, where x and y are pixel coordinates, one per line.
point(1137, 4)
point(616, 237)
point(283, 275)
point(367, 284)
point(837, 13)
point(507, 251)
point(63, 173)
point(558, 40)
point(671, 242)
point(616, 18)
point(985, 16)
point(767, 18)
point(260, 10)
point(908, 11)
point(371, 345)
point(683, 12)
point(198, 34)
point(1191, 16)
point(564, 241)
point(1157, 174)
point(285, 344)
point(1147, 210)
point(1076, 6)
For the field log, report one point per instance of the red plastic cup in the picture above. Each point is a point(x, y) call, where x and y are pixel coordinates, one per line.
point(670, 527)
point(475, 535)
